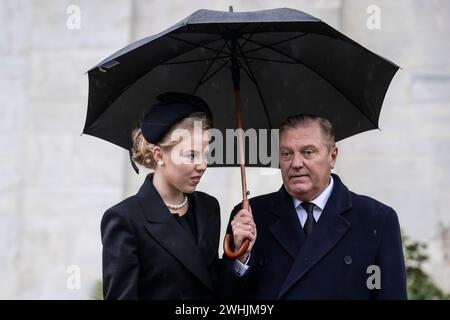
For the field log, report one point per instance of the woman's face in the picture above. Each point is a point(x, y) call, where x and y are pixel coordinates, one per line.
point(185, 162)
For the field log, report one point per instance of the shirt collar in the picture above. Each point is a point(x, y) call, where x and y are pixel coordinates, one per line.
point(321, 200)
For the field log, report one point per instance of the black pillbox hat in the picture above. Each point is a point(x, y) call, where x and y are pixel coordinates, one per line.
point(171, 108)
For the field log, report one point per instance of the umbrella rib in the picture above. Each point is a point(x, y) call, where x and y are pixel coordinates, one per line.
point(226, 31)
point(196, 45)
point(248, 74)
point(192, 61)
point(270, 60)
point(253, 33)
point(258, 89)
point(274, 43)
point(213, 74)
point(320, 75)
point(208, 68)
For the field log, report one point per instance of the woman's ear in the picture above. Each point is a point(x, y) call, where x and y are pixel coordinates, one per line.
point(157, 154)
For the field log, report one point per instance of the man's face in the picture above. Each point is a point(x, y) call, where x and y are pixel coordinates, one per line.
point(305, 161)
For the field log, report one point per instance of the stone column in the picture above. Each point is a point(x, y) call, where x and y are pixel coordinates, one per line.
point(64, 181)
point(404, 164)
point(14, 63)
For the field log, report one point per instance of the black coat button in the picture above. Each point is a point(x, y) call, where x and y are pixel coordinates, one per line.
point(348, 260)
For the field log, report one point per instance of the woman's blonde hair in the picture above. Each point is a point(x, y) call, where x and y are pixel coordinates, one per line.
point(142, 150)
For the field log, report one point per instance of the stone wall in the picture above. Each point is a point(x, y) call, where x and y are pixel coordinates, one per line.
point(55, 184)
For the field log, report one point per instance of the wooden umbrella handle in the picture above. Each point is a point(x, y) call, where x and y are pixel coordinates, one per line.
point(229, 253)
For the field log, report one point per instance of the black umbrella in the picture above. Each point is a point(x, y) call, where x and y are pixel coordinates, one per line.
point(283, 61)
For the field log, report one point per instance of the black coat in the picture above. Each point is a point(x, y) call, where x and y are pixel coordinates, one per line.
point(353, 233)
point(147, 254)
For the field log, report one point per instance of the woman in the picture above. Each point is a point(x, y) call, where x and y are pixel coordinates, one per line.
point(162, 243)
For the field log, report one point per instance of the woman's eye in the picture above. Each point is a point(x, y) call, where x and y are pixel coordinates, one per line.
point(191, 155)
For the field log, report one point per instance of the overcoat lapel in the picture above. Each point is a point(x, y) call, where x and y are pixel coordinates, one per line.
point(169, 233)
point(287, 228)
point(207, 237)
point(328, 231)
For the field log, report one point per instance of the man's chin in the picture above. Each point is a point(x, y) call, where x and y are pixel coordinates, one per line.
point(298, 188)
point(299, 180)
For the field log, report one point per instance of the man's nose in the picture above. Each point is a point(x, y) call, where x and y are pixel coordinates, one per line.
point(297, 161)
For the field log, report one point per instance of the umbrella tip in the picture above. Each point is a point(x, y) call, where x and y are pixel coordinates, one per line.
point(230, 8)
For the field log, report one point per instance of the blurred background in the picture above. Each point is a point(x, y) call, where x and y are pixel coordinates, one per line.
point(55, 183)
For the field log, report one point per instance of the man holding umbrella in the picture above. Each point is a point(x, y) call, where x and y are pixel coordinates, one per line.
point(316, 239)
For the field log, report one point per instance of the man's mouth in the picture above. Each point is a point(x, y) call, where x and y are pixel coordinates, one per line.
point(298, 176)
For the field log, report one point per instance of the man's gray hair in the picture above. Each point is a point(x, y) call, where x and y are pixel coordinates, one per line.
point(302, 120)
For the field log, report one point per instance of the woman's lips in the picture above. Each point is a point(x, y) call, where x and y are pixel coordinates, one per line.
point(196, 179)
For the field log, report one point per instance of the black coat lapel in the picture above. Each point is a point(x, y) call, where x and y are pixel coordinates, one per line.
point(207, 220)
point(168, 232)
point(330, 228)
point(287, 229)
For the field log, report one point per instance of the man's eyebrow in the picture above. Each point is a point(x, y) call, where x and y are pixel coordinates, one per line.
point(309, 146)
point(302, 147)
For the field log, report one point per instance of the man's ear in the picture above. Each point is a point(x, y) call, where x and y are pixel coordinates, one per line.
point(334, 154)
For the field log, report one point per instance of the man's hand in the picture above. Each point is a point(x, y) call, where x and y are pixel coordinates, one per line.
point(243, 227)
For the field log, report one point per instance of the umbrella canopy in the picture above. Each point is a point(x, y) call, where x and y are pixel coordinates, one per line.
point(288, 63)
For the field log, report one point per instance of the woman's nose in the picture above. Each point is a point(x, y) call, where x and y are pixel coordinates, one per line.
point(201, 166)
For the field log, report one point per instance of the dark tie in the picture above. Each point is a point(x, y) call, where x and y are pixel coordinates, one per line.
point(310, 222)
